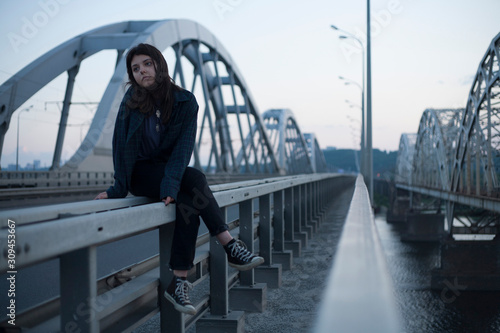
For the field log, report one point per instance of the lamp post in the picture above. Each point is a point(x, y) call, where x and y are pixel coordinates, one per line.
point(362, 107)
point(368, 158)
point(369, 147)
point(362, 87)
point(17, 150)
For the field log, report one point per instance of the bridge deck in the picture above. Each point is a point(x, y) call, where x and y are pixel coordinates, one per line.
point(293, 305)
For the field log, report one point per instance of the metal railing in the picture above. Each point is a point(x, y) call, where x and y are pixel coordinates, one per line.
point(359, 296)
point(19, 179)
point(118, 302)
point(24, 188)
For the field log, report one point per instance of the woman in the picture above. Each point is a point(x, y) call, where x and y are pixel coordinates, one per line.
point(153, 141)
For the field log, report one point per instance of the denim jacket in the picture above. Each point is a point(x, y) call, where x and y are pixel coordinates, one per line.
point(176, 144)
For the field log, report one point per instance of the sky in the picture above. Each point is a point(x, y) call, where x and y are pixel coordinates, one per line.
point(424, 54)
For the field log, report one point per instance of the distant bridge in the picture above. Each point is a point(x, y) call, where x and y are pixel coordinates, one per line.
point(455, 154)
point(233, 137)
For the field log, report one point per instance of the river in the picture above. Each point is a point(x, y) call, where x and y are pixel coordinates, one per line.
point(433, 311)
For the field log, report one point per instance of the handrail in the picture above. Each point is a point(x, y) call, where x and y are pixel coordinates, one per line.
point(73, 231)
point(359, 295)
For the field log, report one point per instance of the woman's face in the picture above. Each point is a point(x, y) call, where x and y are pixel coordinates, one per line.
point(143, 69)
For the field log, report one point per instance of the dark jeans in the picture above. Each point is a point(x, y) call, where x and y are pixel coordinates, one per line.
point(194, 199)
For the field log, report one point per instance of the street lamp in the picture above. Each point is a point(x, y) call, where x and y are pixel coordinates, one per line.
point(362, 143)
point(362, 166)
point(369, 145)
point(366, 156)
point(354, 132)
point(17, 151)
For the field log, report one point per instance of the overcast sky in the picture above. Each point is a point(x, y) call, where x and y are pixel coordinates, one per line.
point(424, 54)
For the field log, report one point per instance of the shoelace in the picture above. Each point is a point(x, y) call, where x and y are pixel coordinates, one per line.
point(181, 290)
point(239, 250)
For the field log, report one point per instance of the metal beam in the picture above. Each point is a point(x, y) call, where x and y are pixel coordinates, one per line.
point(490, 204)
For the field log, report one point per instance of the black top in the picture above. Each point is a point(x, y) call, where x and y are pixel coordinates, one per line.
point(153, 128)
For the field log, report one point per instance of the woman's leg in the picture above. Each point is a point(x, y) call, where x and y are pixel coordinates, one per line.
point(185, 236)
point(146, 180)
point(203, 202)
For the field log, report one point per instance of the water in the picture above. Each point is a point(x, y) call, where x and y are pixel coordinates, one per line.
point(433, 311)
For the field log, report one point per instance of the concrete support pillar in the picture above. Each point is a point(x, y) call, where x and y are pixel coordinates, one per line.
point(467, 265)
point(423, 227)
point(398, 209)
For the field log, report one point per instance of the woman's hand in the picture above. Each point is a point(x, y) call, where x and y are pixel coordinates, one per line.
point(102, 195)
point(167, 200)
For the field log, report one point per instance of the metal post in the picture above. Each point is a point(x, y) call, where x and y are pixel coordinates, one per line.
point(308, 202)
point(369, 146)
point(246, 235)
point(297, 214)
point(265, 250)
point(363, 125)
point(317, 211)
point(171, 320)
point(79, 291)
point(303, 203)
point(289, 215)
point(17, 150)
point(279, 221)
point(219, 293)
point(64, 117)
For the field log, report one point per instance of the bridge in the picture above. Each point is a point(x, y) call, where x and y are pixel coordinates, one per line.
point(272, 183)
point(269, 178)
point(452, 165)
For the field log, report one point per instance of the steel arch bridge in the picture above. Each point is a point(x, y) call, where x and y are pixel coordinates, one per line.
point(434, 144)
point(404, 161)
point(232, 136)
point(456, 151)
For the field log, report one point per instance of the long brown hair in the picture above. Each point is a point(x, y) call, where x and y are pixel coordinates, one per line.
point(146, 99)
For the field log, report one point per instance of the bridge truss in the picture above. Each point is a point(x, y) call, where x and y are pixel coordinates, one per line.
point(456, 151)
point(232, 136)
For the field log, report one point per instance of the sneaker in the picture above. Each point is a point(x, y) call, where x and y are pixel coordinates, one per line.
point(179, 296)
point(240, 258)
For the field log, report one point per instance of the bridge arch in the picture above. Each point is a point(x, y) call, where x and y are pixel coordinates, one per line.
point(315, 153)
point(478, 146)
point(225, 100)
point(404, 161)
point(287, 141)
point(435, 145)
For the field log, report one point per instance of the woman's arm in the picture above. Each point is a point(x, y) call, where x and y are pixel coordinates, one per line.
point(102, 195)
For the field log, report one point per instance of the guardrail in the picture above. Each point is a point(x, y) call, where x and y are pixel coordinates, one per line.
point(359, 296)
point(25, 188)
point(119, 302)
point(16, 179)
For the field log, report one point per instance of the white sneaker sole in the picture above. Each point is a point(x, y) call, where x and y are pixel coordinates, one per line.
point(254, 263)
point(189, 309)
